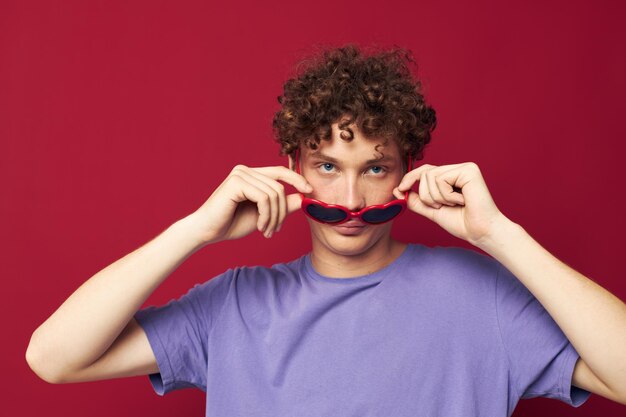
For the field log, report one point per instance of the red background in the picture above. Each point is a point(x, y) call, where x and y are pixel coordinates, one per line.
point(118, 118)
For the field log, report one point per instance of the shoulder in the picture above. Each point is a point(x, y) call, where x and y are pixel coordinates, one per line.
point(275, 270)
point(456, 259)
point(462, 271)
point(258, 277)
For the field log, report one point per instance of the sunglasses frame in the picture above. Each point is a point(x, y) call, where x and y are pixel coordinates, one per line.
point(306, 201)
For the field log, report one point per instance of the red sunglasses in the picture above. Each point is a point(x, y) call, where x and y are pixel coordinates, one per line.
point(337, 214)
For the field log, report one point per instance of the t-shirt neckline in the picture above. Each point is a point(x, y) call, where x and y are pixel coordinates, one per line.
point(375, 276)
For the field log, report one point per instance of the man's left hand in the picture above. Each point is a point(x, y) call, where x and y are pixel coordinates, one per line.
point(453, 196)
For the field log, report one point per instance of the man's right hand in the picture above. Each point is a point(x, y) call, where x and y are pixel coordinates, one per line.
point(249, 199)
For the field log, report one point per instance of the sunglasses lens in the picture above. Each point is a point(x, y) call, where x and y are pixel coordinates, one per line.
point(328, 215)
point(382, 215)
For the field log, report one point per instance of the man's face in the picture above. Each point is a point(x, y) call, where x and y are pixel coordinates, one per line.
point(353, 175)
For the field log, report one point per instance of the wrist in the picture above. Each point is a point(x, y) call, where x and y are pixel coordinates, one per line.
point(500, 233)
point(188, 227)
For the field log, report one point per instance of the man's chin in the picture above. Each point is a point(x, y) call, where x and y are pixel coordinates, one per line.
point(349, 241)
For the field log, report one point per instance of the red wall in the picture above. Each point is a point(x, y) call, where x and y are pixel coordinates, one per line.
point(117, 119)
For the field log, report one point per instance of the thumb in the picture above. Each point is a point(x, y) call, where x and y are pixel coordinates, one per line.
point(416, 205)
point(294, 201)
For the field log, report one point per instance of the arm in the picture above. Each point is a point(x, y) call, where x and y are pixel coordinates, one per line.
point(68, 345)
point(592, 319)
point(93, 335)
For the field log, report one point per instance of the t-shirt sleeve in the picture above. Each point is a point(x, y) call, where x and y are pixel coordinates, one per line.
point(178, 334)
point(541, 358)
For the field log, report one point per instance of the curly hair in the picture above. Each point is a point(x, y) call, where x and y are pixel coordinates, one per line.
point(376, 92)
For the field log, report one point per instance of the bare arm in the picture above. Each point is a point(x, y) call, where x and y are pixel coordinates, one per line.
point(93, 335)
point(85, 326)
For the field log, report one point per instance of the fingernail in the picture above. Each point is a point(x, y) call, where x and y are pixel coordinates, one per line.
point(308, 188)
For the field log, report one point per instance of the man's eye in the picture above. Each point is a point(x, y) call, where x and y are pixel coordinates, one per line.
point(377, 169)
point(327, 167)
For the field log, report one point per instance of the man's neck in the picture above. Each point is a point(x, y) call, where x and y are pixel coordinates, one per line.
point(331, 264)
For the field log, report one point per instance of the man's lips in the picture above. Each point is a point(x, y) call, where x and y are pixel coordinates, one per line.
point(350, 228)
point(351, 223)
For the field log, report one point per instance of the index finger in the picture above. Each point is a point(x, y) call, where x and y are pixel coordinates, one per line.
point(414, 175)
point(284, 174)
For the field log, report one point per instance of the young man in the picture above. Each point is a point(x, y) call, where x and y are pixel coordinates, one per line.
point(364, 324)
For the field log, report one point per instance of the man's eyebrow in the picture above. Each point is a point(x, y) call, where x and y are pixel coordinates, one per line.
point(382, 159)
point(320, 155)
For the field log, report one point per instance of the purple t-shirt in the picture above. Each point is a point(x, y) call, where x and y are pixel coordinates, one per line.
point(442, 331)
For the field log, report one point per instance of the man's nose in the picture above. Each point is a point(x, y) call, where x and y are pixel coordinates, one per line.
point(353, 197)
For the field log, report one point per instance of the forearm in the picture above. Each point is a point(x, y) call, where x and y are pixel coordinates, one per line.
point(593, 319)
point(89, 321)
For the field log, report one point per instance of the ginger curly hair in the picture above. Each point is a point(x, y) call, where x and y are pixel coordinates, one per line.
point(374, 91)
